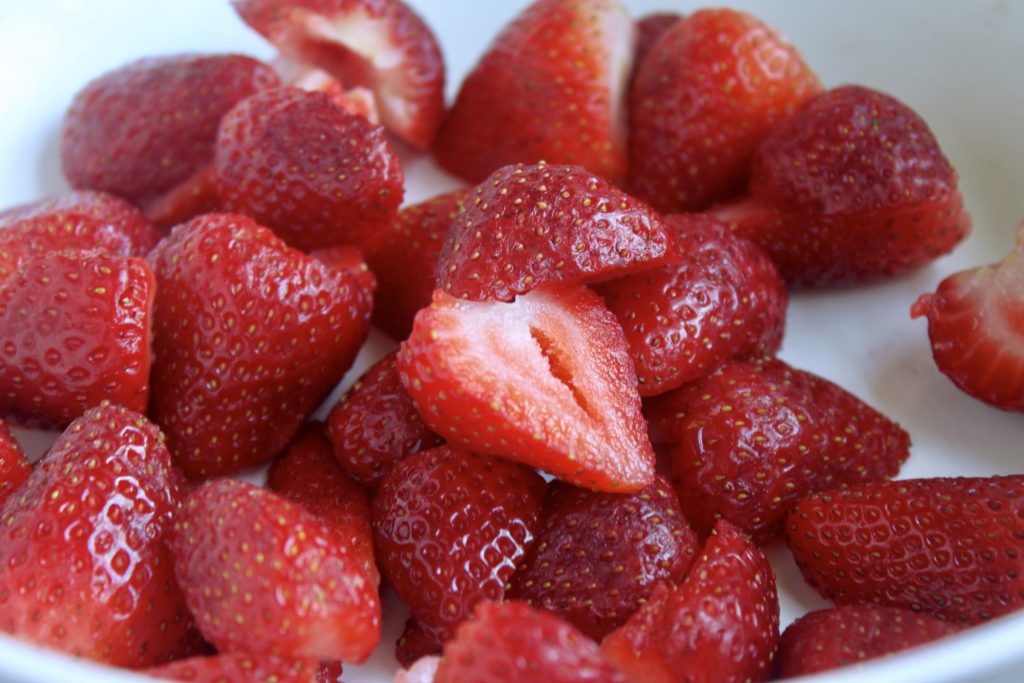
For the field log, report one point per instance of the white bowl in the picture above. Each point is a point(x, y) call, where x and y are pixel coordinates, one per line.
point(959, 64)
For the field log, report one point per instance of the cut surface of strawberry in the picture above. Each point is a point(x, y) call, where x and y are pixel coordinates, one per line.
point(546, 380)
point(14, 466)
point(238, 668)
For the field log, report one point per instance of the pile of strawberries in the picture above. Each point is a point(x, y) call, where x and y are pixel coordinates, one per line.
point(603, 305)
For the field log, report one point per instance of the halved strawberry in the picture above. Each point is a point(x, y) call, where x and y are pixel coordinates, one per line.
point(359, 101)
point(238, 668)
point(382, 45)
point(83, 563)
point(546, 380)
point(720, 624)
point(551, 86)
point(262, 574)
point(976, 328)
point(528, 225)
point(249, 337)
point(14, 466)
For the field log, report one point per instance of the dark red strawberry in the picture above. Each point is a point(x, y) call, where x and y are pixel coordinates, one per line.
point(546, 380)
point(76, 331)
point(262, 574)
point(705, 95)
point(415, 643)
point(238, 668)
point(309, 474)
point(375, 424)
point(250, 336)
point(948, 547)
point(14, 466)
point(83, 564)
point(840, 636)
point(976, 327)
point(382, 45)
point(720, 624)
point(598, 556)
point(529, 225)
point(144, 131)
point(298, 163)
point(551, 86)
point(403, 255)
point(649, 28)
point(852, 188)
point(450, 527)
point(720, 297)
point(754, 437)
point(512, 643)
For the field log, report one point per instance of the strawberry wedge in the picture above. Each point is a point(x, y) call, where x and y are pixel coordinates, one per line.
point(546, 380)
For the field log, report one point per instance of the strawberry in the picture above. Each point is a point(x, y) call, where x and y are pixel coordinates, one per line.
point(303, 592)
point(976, 327)
point(14, 466)
point(719, 297)
point(76, 331)
point(852, 188)
point(415, 643)
point(598, 556)
point(298, 163)
point(422, 670)
point(358, 101)
point(309, 474)
point(512, 642)
point(840, 636)
point(545, 380)
point(705, 95)
point(83, 563)
point(720, 624)
point(449, 528)
point(649, 28)
point(375, 424)
point(403, 255)
point(528, 225)
point(551, 86)
point(193, 197)
point(948, 547)
point(238, 668)
point(382, 45)
point(250, 336)
point(145, 131)
point(753, 437)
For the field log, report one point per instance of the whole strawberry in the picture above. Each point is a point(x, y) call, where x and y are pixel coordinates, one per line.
point(14, 466)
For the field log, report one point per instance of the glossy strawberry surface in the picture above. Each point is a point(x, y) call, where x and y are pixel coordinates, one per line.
point(14, 466)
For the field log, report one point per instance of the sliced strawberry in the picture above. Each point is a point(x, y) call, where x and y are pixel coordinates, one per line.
point(840, 636)
point(83, 564)
point(546, 380)
point(976, 327)
point(382, 45)
point(720, 297)
point(948, 547)
point(358, 101)
point(147, 128)
point(264, 575)
point(450, 527)
point(375, 424)
point(705, 95)
point(852, 188)
point(598, 556)
point(403, 255)
point(529, 225)
point(754, 437)
point(298, 163)
point(512, 642)
point(650, 28)
point(76, 331)
point(14, 466)
point(720, 624)
point(551, 86)
point(250, 336)
point(238, 668)
point(415, 643)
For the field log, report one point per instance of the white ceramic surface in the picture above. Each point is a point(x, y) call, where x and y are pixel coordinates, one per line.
point(958, 63)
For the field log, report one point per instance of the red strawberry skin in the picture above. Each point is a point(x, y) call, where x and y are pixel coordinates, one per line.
point(649, 28)
point(841, 636)
point(76, 331)
point(719, 297)
point(947, 547)
point(415, 643)
point(83, 563)
point(450, 527)
point(530, 225)
point(754, 437)
point(14, 466)
point(703, 98)
point(513, 642)
point(303, 591)
point(238, 668)
point(250, 336)
point(720, 624)
point(551, 86)
point(598, 556)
